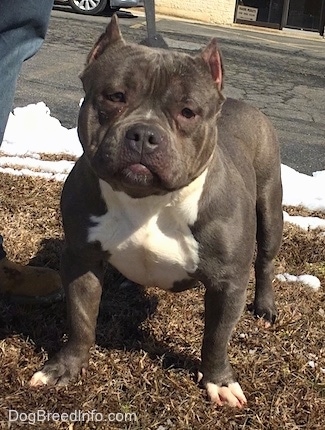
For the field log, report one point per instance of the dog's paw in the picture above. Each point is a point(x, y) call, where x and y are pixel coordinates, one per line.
point(266, 312)
point(58, 371)
point(221, 395)
point(231, 395)
point(38, 379)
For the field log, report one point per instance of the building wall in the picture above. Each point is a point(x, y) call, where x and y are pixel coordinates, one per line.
point(210, 11)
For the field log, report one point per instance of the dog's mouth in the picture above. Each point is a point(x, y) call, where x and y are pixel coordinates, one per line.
point(138, 175)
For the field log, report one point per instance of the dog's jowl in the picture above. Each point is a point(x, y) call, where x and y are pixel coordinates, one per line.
point(175, 186)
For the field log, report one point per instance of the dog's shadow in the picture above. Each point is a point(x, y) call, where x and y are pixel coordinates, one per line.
point(124, 308)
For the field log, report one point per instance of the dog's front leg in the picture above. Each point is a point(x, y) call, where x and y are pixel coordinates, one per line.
point(83, 285)
point(224, 304)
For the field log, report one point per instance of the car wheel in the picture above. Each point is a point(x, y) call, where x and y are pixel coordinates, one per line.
point(88, 7)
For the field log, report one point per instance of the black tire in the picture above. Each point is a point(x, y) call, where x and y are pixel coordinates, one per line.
point(88, 7)
point(111, 9)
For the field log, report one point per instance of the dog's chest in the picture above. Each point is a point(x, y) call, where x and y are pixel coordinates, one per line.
point(149, 239)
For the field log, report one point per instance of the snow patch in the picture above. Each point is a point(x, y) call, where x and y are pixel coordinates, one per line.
point(304, 222)
point(309, 280)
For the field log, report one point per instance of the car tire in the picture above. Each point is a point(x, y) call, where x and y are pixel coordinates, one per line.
point(88, 7)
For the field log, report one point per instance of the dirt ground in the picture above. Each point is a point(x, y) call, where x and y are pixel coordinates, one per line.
point(148, 342)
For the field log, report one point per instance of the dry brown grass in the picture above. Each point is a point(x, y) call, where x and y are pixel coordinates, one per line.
point(148, 341)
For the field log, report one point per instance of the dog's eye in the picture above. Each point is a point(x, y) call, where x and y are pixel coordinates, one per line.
point(187, 113)
point(118, 97)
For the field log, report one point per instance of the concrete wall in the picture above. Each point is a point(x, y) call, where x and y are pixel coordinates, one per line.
point(210, 11)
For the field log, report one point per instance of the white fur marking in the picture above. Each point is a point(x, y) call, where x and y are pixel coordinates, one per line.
point(231, 395)
point(149, 114)
point(149, 239)
point(38, 379)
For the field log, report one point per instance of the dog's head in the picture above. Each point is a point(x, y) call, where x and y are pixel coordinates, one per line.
point(148, 120)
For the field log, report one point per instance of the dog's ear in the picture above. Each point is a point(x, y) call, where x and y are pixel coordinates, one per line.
point(212, 57)
point(112, 35)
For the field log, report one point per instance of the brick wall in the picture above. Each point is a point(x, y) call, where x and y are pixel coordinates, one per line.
point(211, 11)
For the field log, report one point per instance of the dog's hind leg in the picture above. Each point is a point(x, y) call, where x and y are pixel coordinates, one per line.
point(269, 235)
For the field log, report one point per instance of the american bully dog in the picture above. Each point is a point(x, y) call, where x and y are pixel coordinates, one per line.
point(176, 185)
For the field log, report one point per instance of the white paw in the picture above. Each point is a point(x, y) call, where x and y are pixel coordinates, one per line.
point(231, 395)
point(39, 379)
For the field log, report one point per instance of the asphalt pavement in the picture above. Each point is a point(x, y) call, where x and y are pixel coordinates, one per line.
point(282, 73)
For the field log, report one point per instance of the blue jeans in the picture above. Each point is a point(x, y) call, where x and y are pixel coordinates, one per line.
point(23, 25)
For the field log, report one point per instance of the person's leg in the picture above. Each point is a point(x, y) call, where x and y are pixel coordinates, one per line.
point(23, 25)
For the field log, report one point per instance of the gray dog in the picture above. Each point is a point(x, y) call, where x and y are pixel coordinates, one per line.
point(175, 186)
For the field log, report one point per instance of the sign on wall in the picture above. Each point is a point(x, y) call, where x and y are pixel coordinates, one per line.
point(246, 13)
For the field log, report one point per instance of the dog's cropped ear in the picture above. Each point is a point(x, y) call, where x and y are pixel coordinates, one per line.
point(112, 35)
point(212, 57)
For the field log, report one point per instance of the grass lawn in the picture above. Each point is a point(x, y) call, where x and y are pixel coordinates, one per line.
point(148, 341)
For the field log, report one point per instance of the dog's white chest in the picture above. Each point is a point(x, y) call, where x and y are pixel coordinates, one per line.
point(149, 239)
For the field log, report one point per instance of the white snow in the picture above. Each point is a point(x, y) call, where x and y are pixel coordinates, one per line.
point(303, 190)
point(31, 131)
point(309, 280)
point(305, 222)
point(61, 166)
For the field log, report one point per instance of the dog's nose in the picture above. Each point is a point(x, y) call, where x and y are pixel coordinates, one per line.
point(143, 139)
